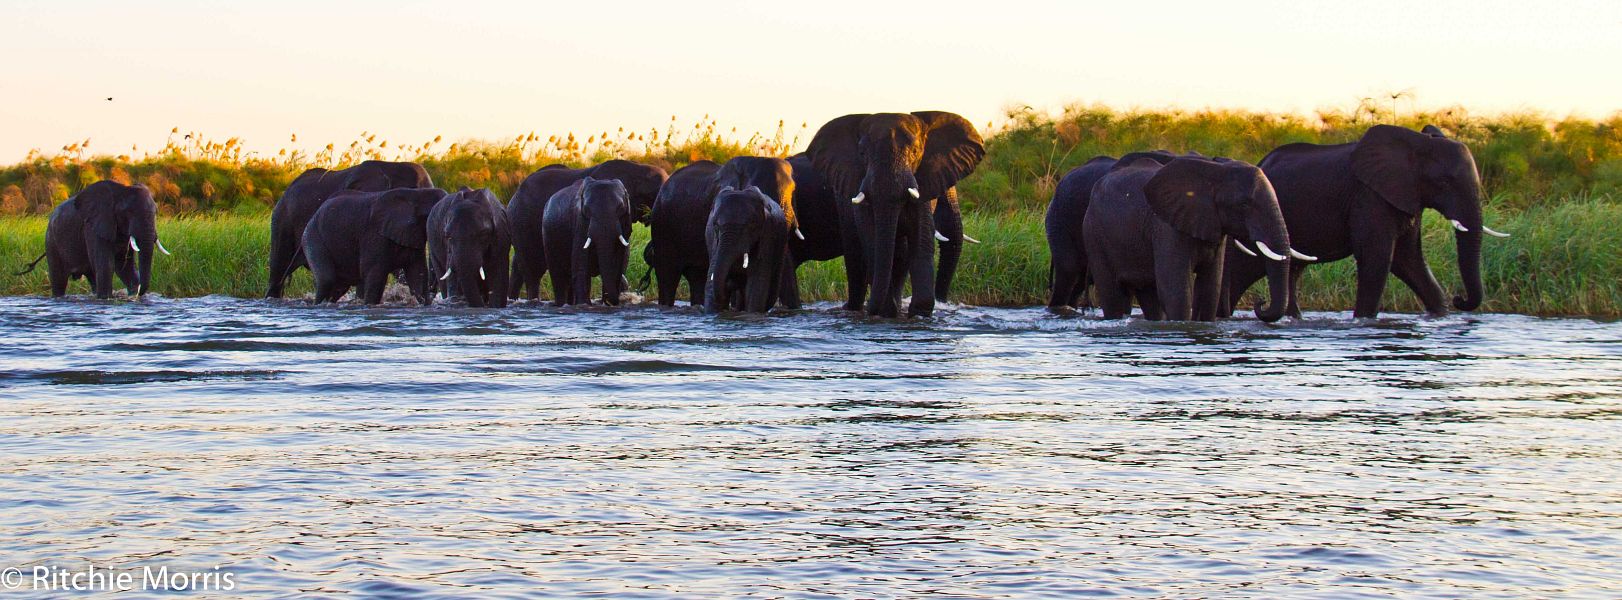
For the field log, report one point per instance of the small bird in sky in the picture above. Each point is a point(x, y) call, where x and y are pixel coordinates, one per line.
point(109, 98)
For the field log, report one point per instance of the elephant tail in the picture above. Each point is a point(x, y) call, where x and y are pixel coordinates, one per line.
point(30, 268)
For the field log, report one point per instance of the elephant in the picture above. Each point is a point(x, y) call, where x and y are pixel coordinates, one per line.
point(469, 240)
point(98, 233)
point(1067, 274)
point(307, 193)
point(526, 210)
point(743, 223)
point(588, 211)
point(1363, 199)
point(819, 234)
point(360, 238)
point(1150, 229)
point(681, 214)
point(895, 168)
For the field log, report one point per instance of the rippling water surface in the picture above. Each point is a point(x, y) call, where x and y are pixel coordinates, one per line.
point(987, 452)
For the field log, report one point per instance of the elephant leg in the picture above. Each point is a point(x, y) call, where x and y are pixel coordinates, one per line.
point(951, 252)
point(58, 276)
point(101, 266)
point(126, 274)
point(1297, 269)
point(788, 287)
point(281, 259)
point(1149, 301)
point(416, 278)
point(669, 281)
point(1113, 298)
point(855, 269)
point(922, 250)
point(1064, 284)
point(1408, 264)
point(372, 284)
point(1207, 290)
point(1373, 265)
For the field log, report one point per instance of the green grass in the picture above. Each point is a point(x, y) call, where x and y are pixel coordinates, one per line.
point(1561, 260)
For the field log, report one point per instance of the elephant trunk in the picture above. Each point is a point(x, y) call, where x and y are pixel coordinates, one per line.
point(727, 250)
point(1278, 281)
point(883, 302)
point(465, 268)
point(1469, 245)
point(611, 256)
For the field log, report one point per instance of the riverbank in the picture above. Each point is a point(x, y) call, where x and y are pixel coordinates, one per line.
point(1562, 260)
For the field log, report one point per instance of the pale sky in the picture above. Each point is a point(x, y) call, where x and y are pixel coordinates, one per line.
point(495, 69)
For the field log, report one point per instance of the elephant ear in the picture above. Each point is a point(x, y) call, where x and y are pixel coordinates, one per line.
point(99, 209)
point(836, 155)
point(951, 151)
point(395, 214)
point(1384, 160)
point(1183, 193)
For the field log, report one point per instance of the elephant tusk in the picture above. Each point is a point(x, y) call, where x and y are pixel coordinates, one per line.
point(1269, 253)
point(1459, 226)
point(1305, 257)
point(970, 240)
point(798, 234)
point(940, 237)
point(481, 273)
point(162, 249)
point(447, 275)
point(746, 260)
point(588, 244)
point(624, 242)
point(1490, 232)
point(913, 191)
point(858, 198)
point(132, 244)
point(712, 275)
point(1241, 247)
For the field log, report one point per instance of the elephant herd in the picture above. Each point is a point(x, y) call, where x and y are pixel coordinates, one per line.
point(1157, 228)
point(876, 189)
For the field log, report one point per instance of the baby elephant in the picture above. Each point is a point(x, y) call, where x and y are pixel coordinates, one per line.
point(469, 240)
point(1159, 232)
point(587, 232)
point(359, 238)
point(98, 233)
point(747, 235)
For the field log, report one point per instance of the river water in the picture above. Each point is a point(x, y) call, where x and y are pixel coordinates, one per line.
point(641, 451)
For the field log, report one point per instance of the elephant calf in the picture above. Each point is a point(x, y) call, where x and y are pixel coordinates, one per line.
point(360, 238)
point(743, 223)
point(469, 240)
point(98, 233)
point(589, 211)
point(1159, 233)
point(309, 191)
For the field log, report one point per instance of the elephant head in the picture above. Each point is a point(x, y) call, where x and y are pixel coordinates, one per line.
point(1208, 200)
point(379, 175)
point(603, 218)
point(475, 229)
point(740, 222)
point(642, 183)
point(773, 177)
point(1413, 171)
point(893, 166)
point(117, 215)
point(401, 216)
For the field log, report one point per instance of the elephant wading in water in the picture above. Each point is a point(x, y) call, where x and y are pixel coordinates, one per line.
point(1159, 233)
point(526, 210)
point(895, 168)
point(468, 244)
point(678, 248)
point(98, 233)
point(588, 212)
point(1364, 200)
point(360, 238)
point(743, 224)
point(1067, 274)
point(306, 195)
